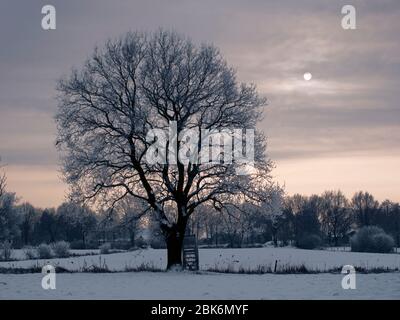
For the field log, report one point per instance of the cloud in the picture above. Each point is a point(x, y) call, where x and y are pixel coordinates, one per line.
point(349, 107)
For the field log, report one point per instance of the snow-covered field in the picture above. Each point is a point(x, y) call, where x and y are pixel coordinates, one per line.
point(249, 259)
point(208, 285)
point(170, 285)
point(19, 254)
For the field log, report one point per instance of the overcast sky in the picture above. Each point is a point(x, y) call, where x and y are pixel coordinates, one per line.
point(341, 129)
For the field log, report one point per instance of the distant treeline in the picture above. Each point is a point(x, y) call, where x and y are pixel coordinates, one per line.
point(329, 219)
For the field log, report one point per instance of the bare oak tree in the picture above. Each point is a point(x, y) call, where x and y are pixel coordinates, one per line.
point(142, 82)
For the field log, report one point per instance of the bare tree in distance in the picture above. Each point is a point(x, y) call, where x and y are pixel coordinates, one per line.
point(80, 217)
point(365, 207)
point(336, 218)
point(9, 217)
point(3, 181)
point(29, 216)
point(131, 210)
point(273, 210)
point(240, 218)
point(141, 82)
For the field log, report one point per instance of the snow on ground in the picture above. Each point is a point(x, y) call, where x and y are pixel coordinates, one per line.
point(171, 285)
point(206, 285)
point(321, 260)
point(19, 254)
point(313, 259)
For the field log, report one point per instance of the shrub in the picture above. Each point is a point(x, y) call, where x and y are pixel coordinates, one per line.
point(372, 239)
point(5, 251)
point(309, 241)
point(384, 242)
point(105, 248)
point(30, 252)
point(61, 249)
point(44, 251)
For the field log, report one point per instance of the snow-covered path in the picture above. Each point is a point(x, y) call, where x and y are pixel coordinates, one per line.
point(146, 285)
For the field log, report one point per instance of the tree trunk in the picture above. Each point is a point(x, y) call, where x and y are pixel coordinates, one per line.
point(174, 236)
point(216, 236)
point(275, 236)
point(26, 236)
point(83, 239)
point(336, 240)
point(174, 249)
point(132, 238)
